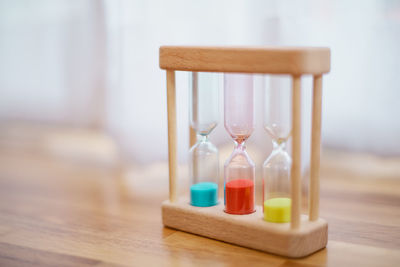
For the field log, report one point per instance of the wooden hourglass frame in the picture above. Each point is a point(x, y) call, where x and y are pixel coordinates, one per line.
point(304, 234)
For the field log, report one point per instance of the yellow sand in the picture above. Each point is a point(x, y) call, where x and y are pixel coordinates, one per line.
point(277, 210)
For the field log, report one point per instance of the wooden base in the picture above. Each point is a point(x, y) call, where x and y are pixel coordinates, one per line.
point(247, 230)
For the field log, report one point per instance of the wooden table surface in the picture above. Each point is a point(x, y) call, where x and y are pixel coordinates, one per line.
point(55, 212)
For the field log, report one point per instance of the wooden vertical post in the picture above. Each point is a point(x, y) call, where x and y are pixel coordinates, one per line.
point(192, 137)
point(194, 91)
point(172, 144)
point(296, 151)
point(315, 148)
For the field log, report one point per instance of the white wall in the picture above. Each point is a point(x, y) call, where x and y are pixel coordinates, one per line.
point(53, 62)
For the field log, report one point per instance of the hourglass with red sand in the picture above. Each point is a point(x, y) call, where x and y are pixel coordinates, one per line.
point(239, 169)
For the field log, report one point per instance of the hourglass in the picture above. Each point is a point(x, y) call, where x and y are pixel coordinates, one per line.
point(239, 169)
point(276, 168)
point(203, 156)
point(303, 235)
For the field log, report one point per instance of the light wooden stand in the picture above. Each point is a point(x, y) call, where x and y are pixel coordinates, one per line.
point(247, 230)
point(304, 234)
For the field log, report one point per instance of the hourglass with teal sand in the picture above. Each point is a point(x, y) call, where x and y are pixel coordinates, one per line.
point(203, 159)
point(276, 168)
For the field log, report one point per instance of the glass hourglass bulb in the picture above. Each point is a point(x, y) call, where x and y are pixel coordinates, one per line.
point(239, 169)
point(276, 168)
point(203, 156)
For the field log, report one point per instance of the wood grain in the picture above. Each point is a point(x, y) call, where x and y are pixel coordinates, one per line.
point(10, 255)
point(55, 212)
point(274, 60)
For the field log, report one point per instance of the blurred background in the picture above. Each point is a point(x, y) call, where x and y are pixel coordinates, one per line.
point(80, 81)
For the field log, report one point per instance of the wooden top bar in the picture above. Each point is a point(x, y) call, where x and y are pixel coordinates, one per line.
point(274, 60)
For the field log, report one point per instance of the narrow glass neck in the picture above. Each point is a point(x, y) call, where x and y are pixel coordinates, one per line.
point(278, 145)
point(202, 138)
point(240, 146)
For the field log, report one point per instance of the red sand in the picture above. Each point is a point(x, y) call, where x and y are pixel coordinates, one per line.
point(239, 196)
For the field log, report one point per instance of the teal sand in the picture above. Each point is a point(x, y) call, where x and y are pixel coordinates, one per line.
point(204, 194)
